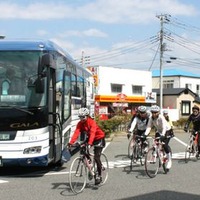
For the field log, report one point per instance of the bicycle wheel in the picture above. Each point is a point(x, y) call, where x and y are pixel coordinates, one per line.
point(104, 170)
point(152, 162)
point(130, 146)
point(188, 151)
point(141, 154)
point(196, 154)
point(164, 161)
point(77, 175)
point(134, 155)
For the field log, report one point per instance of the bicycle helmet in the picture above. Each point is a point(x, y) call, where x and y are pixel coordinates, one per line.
point(195, 108)
point(155, 108)
point(142, 109)
point(165, 111)
point(82, 112)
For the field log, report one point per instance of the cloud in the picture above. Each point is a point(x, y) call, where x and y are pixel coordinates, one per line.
point(104, 11)
point(94, 33)
point(42, 32)
point(88, 33)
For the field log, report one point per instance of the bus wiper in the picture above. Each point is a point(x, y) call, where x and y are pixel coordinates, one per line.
point(23, 110)
point(20, 109)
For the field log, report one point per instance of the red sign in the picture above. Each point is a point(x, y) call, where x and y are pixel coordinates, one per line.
point(121, 97)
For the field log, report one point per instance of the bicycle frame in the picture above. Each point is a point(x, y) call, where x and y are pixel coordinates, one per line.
point(192, 147)
point(155, 158)
point(137, 151)
point(84, 168)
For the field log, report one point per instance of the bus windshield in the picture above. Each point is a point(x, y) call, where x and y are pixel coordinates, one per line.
point(18, 73)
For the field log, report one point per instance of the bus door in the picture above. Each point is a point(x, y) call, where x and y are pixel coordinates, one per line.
point(55, 128)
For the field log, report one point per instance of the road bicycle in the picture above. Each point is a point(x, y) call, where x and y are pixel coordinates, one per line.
point(83, 169)
point(131, 144)
point(156, 158)
point(191, 150)
point(139, 149)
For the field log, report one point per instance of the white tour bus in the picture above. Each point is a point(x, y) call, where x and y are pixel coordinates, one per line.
point(41, 90)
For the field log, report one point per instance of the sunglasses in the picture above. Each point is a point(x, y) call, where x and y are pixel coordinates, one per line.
point(195, 111)
point(82, 117)
point(154, 112)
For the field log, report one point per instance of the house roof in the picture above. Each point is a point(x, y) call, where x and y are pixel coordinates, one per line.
point(173, 91)
point(174, 72)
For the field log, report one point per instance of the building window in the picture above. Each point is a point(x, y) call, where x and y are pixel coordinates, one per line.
point(185, 107)
point(168, 84)
point(116, 88)
point(136, 89)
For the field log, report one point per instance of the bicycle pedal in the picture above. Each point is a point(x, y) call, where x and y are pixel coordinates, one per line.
point(90, 176)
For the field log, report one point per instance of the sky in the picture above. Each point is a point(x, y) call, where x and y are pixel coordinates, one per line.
point(115, 33)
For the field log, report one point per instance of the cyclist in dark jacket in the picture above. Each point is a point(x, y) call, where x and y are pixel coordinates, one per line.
point(194, 118)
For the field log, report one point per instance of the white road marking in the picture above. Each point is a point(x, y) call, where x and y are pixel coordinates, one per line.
point(123, 163)
point(2, 181)
point(180, 141)
point(120, 163)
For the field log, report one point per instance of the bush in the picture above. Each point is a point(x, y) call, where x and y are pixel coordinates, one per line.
point(114, 124)
point(180, 123)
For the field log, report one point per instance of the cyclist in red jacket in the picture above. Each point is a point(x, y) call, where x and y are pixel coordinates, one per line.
point(95, 137)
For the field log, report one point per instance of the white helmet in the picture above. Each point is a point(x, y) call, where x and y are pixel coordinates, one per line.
point(82, 112)
point(155, 108)
point(165, 111)
point(142, 109)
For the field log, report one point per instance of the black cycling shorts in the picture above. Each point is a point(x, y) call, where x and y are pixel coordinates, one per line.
point(99, 143)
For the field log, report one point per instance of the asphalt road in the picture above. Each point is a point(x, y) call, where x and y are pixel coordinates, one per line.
point(182, 182)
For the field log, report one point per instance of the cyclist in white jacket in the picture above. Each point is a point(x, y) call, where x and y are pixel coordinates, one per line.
point(139, 124)
point(140, 121)
point(162, 129)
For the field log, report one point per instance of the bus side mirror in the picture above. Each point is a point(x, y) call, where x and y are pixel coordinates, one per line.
point(39, 85)
point(45, 61)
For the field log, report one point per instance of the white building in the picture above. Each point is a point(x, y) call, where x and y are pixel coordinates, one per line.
point(181, 91)
point(176, 78)
point(122, 88)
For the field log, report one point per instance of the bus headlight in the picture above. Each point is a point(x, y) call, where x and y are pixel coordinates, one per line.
point(32, 150)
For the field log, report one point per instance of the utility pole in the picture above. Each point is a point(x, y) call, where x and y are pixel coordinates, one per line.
point(85, 60)
point(163, 18)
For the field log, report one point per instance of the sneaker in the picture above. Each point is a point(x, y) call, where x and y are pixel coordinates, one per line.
point(169, 162)
point(98, 180)
point(197, 154)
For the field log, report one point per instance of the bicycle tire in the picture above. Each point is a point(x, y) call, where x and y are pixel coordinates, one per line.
point(105, 169)
point(152, 162)
point(77, 175)
point(188, 151)
point(130, 146)
point(164, 163)
point(141, 154)
point(133, 156)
